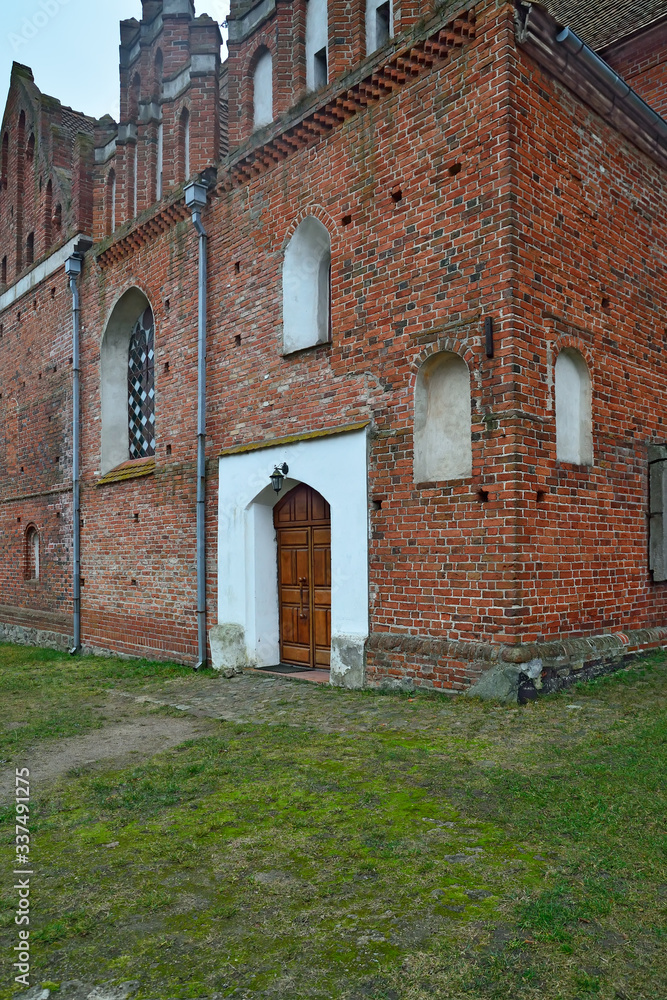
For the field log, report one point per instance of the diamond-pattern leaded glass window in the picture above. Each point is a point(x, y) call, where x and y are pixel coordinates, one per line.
point(141, 387)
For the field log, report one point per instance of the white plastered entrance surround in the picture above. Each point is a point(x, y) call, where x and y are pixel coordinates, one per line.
point(247, 633)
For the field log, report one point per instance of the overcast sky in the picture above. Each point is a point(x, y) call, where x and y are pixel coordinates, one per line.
point(72, 47)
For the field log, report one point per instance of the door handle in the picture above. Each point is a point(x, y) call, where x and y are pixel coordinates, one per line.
point(303, 580)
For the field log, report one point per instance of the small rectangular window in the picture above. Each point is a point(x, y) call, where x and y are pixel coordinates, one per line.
point(321, 70)
point(382, 24)
point(657, 455)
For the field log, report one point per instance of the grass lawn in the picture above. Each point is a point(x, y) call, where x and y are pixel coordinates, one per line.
point(502, 853)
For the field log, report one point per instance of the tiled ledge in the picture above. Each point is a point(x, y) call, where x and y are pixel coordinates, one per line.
point(133, 469)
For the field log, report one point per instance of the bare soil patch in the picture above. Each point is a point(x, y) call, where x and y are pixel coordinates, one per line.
point(131, 733)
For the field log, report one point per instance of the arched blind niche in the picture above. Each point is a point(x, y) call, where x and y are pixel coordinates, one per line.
point(306, 287)
point(442, 433)
point(262, 90)
point(574, 426)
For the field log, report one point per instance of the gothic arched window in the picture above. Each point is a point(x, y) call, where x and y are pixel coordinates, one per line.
point(141, 387)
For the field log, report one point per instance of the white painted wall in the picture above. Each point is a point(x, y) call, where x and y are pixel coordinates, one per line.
point(442, 432)
point(39, 273)
point(135, 180)
point(186, 144)
point(335, 466)
point(306, 277)
point(374, 37)
point(33, 542)
point(574, 430)
point(113, 378)
point(160, 159)
point(317, 38)
point(262, 83)
point(112, 196)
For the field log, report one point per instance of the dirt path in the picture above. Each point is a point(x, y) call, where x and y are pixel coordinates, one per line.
point(135, 725)
point(134, 731)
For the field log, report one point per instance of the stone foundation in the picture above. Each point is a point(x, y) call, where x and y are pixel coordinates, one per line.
point(498, 672)
point(23, 635)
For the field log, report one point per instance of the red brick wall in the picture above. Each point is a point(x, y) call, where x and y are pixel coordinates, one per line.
point(424, 178)
point(591, 219)
point(35, 441)
point(138, 536)
point(478, 188)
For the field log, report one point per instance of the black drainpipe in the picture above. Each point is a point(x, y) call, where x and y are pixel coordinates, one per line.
point(73, 268)
point(195, 199)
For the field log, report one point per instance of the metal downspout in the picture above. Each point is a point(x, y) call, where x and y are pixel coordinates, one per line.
point(73, 268)
point(201, 442)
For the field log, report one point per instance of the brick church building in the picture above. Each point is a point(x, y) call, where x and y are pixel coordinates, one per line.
point(346, 353)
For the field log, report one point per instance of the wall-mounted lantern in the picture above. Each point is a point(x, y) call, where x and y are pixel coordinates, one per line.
point(278, 475)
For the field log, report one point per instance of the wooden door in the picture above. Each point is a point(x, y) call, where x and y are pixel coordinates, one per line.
point(303, 528)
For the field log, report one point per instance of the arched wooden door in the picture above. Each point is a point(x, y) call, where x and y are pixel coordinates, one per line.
point(303, 527)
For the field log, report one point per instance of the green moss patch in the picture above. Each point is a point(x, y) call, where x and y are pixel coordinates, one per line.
point(498, 854)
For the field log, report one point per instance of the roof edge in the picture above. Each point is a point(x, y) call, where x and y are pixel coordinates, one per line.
point(564, 55)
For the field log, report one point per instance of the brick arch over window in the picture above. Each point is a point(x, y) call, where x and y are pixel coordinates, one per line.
point(574, 421)
point(127, 387)
point(443, 416)
point(307, 287)
point(262, 87)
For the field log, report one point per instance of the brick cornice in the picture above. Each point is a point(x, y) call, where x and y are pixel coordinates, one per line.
point(359, 90)
point(142, 232)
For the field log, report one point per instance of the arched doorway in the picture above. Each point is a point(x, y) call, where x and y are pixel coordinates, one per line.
point(302, 520)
